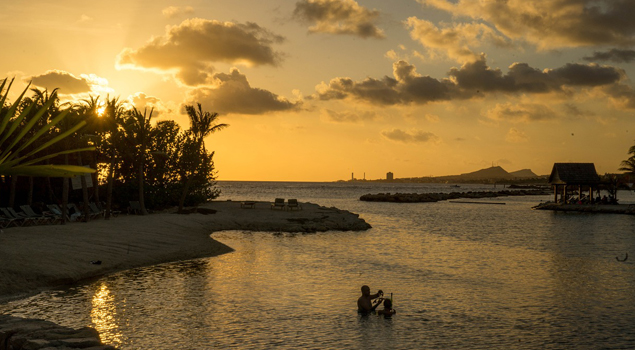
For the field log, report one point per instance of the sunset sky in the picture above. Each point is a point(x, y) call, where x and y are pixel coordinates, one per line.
point(314, 90)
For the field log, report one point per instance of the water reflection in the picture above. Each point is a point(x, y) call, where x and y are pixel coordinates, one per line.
point(103, 315)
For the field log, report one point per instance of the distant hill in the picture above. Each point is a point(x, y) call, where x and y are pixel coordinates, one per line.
point(523, 173)
point(494, 172)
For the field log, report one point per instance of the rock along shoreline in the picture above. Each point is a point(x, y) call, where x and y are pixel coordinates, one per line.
point(436, 197)
point(628, 209)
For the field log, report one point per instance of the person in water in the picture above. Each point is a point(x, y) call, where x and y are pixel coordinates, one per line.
point(365, 302)
point(388, 311)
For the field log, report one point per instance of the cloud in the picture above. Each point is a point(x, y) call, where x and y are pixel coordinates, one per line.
point(521, 113)
point(472, 80)
point(516, 136)
point(415, 136)
point(66, 82)
point(177, 11)
point(456, 41)
point(613, 55)
point(189, 50)
point(347, 116)
point(141, 101)
point(339, 17)
point(552, 24)
point(85, 18)
point(232, 93)
point(621, 95)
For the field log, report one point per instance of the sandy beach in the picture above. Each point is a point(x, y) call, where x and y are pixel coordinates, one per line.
point(37, 257)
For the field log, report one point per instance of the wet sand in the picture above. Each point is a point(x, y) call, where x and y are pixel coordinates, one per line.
point(45, 256)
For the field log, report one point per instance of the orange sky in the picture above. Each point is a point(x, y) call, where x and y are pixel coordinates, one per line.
point(314, 90)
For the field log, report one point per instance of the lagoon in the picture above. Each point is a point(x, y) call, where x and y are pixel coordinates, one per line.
point(463, 276)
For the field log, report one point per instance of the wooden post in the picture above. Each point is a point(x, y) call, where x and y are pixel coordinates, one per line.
point(555, 194)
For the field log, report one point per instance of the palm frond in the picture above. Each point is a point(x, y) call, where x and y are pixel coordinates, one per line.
point(11, 162)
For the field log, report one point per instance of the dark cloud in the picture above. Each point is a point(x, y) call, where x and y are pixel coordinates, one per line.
point(66, 82)
point(192, 47)
point(348, 117)
point(338, 17)
point(416, 136)
point(521, 113)
point(554, 23)
point(471, 80)
point(613, 55)
point(233, 94)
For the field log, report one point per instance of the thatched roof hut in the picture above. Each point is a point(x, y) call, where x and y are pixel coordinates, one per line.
point(573, 174)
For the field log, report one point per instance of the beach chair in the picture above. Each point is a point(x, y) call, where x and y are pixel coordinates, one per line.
point(248, 204)
point(56, 210)
point(76, 213)
point(26, 209)
point(94, 210)
point(293, 204)
point(6, 220)
point(12, 214)
point(135, 208)
point(278, 204)
point(113, 213)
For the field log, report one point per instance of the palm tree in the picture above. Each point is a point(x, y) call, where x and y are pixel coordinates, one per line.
point(202, 124)
point(139, 129)
point(628, 165)
point(113, 118)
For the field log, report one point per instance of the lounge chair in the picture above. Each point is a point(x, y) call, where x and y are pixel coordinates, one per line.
point(293, 204)
point(12, 214)
point(26, 209)
point(248, 204)
point(113, 213)
point(57, 211)
point(77, 214)
point(278, 204)
point(135, 208)
point(94, 210)
point(7, 220)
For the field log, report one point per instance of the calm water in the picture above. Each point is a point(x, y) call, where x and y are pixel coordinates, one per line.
point(463, 276)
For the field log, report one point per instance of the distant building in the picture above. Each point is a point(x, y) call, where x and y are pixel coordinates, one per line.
point(389, 176)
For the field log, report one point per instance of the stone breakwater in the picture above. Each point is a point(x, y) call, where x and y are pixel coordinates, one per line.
point(588, 208)
point(32, 334)
point(435, 197)
point(311, 218)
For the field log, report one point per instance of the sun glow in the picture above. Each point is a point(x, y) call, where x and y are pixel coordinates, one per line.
point(101, 110)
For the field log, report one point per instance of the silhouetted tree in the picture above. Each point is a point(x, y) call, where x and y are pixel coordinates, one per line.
point(628, 165)
point(202, 124)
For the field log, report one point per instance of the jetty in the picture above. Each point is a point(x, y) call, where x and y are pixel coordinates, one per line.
point(436, 197)
point(588, 208)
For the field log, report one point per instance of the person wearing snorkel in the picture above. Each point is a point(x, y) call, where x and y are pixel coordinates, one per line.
point(388, 311)
point(367, 303)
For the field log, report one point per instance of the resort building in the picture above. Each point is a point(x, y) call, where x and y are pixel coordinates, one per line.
point(389, 176)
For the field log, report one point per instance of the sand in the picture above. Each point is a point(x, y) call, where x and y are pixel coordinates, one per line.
point(38, 257)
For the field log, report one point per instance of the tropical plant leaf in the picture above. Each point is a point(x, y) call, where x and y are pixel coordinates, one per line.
point(11, 163)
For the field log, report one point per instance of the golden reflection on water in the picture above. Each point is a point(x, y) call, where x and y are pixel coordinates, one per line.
point(103, 315)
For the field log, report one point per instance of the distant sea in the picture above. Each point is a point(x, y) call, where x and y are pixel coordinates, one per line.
point(462, 276)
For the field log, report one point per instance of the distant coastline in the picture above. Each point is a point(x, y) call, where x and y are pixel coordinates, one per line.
point(492, 175)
